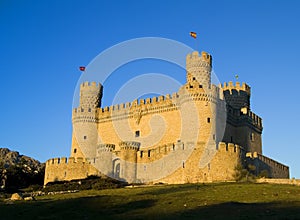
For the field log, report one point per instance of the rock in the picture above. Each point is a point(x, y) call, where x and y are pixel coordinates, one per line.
point(16, 197)
point(29, 198)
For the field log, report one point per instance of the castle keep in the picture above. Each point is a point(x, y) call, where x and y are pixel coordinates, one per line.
point(198, 134)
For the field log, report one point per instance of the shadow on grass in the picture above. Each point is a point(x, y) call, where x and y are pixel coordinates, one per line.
point(236, 210)
point(97, 207)
point(174, 189)
point(121, 207)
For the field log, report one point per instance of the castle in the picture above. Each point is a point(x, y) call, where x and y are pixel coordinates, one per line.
point(198, 134)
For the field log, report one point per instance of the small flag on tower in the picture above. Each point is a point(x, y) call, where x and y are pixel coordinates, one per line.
point(82, 68)
point(193, 34)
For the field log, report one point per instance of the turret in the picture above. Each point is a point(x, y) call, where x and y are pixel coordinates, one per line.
point(90, 95)
point(237, 96)
point(199, 68)
point(84, 119)
point(104, 159)
point(128, 156)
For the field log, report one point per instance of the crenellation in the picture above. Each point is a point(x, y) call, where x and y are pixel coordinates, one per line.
point(236, 88)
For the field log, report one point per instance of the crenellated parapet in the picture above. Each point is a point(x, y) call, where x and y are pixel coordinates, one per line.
point(106, 148)
point(237, 96)
point(65, 160)
point(237, 87)
point(266, 164)
point(130, 145)
point(194, 60)
point(230, 147)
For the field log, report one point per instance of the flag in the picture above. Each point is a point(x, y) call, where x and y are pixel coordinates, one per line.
point(193, 34)
point(82, 68)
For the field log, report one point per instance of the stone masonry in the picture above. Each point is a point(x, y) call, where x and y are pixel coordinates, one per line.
point(199, 134)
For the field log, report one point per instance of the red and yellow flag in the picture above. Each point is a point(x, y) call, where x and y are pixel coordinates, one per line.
point(193, 34)
point(82, 68)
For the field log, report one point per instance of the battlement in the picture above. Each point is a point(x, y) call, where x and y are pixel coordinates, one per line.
point(90, 85)
point(130, 145)
point(230, 147)
point(105, 148)
point(65, 160)
point(195, 59)
point(237, 87)
point(267, 160)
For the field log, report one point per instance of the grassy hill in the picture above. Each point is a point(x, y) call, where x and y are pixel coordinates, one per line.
point(192, 201)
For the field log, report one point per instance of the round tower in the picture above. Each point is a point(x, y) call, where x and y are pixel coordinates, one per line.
point(128, 155)
point(90, 95)
point(104, 159)
point(84, 119)
point(199, 68)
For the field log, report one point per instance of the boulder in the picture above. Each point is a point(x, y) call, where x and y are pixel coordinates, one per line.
point(29, 198)
point(16, 196)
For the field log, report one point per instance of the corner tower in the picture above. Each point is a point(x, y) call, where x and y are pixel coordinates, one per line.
point(84, 119)
point(198, 68)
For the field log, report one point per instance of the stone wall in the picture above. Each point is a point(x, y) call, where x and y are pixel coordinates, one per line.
point(273, 168)
point(65, 169)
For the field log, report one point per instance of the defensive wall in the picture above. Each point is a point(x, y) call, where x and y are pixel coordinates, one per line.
point(273, 168)
point(65, 169)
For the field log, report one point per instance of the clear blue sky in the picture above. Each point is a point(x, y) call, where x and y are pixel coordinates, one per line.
point(42, 43)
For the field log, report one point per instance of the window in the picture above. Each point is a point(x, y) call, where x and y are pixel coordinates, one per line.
point(183, 164)
point(231, 139)
point(149, 153)
point(194, 78)
point(191, 86)
point(137, 133)
point(90, 109)
point(252, 136)
point(141, 154)
point(214, 137)
point(75, 150)
point(208, 120)
point(200, 86)
point(84, 137)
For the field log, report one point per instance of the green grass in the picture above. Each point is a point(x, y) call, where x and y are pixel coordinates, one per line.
point(192, 201)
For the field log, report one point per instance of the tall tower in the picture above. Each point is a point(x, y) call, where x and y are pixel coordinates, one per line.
point(90, 95)
point(199, 68)
point(84, 119)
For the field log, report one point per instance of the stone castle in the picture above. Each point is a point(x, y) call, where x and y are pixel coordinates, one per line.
point(199, 134)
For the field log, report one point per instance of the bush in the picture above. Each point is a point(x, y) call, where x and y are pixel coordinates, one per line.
point(242, 174)
point(92, 182)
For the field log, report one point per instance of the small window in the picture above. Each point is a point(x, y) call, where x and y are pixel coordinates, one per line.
point(252, 136)
point(191, 87)
point(214, 137)
point(141, 154)
point(208, 120)
point(183, 164)
point(84, 137)
point(90, 109)
point(194, 78)
point(231, 139)
point(149, 153)
point(200, 86)
point(82, 110)
point(75, 150)
point(137, 133)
